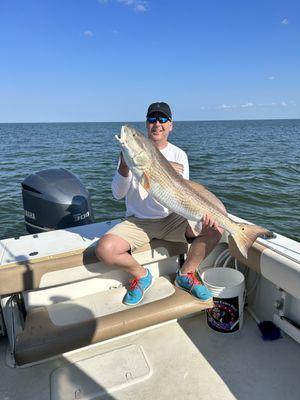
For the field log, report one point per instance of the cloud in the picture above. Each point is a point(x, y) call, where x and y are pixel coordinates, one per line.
point(247, 105)
point(141, 8)
point(137, 5)
point(271, 78)
point(277, 104)
point(88, 33)
point(226, 106)
point(284, 21)
point(250, 105)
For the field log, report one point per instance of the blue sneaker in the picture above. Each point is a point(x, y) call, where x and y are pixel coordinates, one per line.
point(137, 289)
point(191, 283)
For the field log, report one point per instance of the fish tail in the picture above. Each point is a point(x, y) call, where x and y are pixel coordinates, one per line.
point(246, 235)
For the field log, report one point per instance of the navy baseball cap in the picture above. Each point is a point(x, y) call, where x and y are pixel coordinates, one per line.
point(159, 108)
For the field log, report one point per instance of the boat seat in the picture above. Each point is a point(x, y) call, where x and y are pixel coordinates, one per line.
point(72, 324)
point(30, 274)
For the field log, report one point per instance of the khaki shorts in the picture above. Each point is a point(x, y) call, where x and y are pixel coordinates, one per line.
point(138, 232)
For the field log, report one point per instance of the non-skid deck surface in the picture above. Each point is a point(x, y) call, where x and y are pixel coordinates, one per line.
point(104, 303)
point(71, 324)
point(187, 360)
point(129, 365)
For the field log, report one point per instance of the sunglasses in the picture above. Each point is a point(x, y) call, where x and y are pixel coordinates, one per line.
point(161, 120)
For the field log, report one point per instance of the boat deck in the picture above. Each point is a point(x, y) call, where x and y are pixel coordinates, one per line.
point(175, 360)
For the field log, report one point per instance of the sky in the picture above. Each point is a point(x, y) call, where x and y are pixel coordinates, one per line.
point(107, 60)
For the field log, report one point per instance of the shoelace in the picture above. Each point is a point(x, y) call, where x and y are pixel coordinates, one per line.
point(193, 280)
point(134, 283)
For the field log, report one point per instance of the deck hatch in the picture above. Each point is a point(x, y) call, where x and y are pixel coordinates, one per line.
point(101, 374)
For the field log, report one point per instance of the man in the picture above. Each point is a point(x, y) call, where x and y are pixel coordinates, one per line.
point(147, 219)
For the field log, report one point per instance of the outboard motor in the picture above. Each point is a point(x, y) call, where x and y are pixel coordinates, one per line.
point(55, 199)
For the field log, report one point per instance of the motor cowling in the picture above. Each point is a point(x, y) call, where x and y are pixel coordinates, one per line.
point(55, 199)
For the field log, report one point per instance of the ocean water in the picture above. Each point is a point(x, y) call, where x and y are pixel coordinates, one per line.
point(253, 166)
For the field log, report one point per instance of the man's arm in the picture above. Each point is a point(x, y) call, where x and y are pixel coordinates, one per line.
point(123, 169)
point(122, 180)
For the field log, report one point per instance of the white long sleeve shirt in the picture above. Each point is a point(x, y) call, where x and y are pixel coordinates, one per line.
point(138, 202)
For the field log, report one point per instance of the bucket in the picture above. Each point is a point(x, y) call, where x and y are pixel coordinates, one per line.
point(227, 287)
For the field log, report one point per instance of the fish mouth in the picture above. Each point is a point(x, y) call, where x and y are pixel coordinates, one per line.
point(122, 138)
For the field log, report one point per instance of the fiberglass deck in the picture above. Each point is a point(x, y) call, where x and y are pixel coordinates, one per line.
point(177, 360)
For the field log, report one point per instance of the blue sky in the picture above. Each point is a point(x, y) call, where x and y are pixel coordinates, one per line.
point(97, 60)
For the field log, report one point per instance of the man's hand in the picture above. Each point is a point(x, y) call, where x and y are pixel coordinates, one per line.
point(209, 222)
point(178, 167)
point(123, 169)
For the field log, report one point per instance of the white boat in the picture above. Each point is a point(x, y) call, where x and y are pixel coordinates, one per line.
point(67, 335)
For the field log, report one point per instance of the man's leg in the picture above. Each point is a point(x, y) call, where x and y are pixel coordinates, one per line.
point(201, 247)
point(114, 251)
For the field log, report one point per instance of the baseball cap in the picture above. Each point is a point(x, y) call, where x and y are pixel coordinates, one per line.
point(159, 107)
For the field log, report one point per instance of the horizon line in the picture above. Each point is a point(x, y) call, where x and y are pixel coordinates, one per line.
point(118, 122)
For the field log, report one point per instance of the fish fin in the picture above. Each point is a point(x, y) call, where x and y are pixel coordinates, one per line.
point(246, 236)
point(196, 227)
point(145, 181)
point(143, 192)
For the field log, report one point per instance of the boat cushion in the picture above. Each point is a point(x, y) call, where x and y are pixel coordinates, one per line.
point(27, 275)
point(50, 331)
